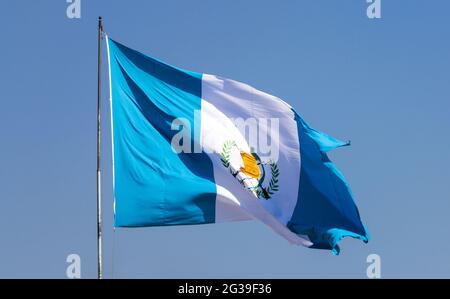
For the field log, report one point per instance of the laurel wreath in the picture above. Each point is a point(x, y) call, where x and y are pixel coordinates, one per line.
point(273, 184)
point(226, 151)
point(262, 192)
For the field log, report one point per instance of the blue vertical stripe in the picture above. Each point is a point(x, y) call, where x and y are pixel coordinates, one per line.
point(153, 184)
point(325, 209)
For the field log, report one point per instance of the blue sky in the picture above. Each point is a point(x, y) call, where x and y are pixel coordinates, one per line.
point(383, 84)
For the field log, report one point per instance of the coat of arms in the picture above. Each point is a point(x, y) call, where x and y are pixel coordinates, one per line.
point(250, 170)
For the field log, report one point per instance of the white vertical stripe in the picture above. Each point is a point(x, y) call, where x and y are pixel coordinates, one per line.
point(224, 100)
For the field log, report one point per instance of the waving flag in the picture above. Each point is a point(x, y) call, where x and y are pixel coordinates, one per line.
point(192, 148)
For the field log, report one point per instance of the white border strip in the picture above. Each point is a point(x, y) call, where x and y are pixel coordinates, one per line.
point(112, 124)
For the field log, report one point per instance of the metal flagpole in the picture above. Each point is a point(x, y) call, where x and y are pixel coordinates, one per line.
point(99, 203)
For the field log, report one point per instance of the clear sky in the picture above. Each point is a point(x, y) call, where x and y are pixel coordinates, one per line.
point(383, 84)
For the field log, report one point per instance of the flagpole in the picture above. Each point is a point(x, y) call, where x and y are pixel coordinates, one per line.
point(99, 203)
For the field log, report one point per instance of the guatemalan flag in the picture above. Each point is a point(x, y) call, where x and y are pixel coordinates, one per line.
point(192, 148)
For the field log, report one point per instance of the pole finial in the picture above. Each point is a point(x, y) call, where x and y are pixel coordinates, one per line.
point(100, 26)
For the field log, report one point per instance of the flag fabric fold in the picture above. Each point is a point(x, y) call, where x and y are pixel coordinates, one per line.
point(192, 148)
